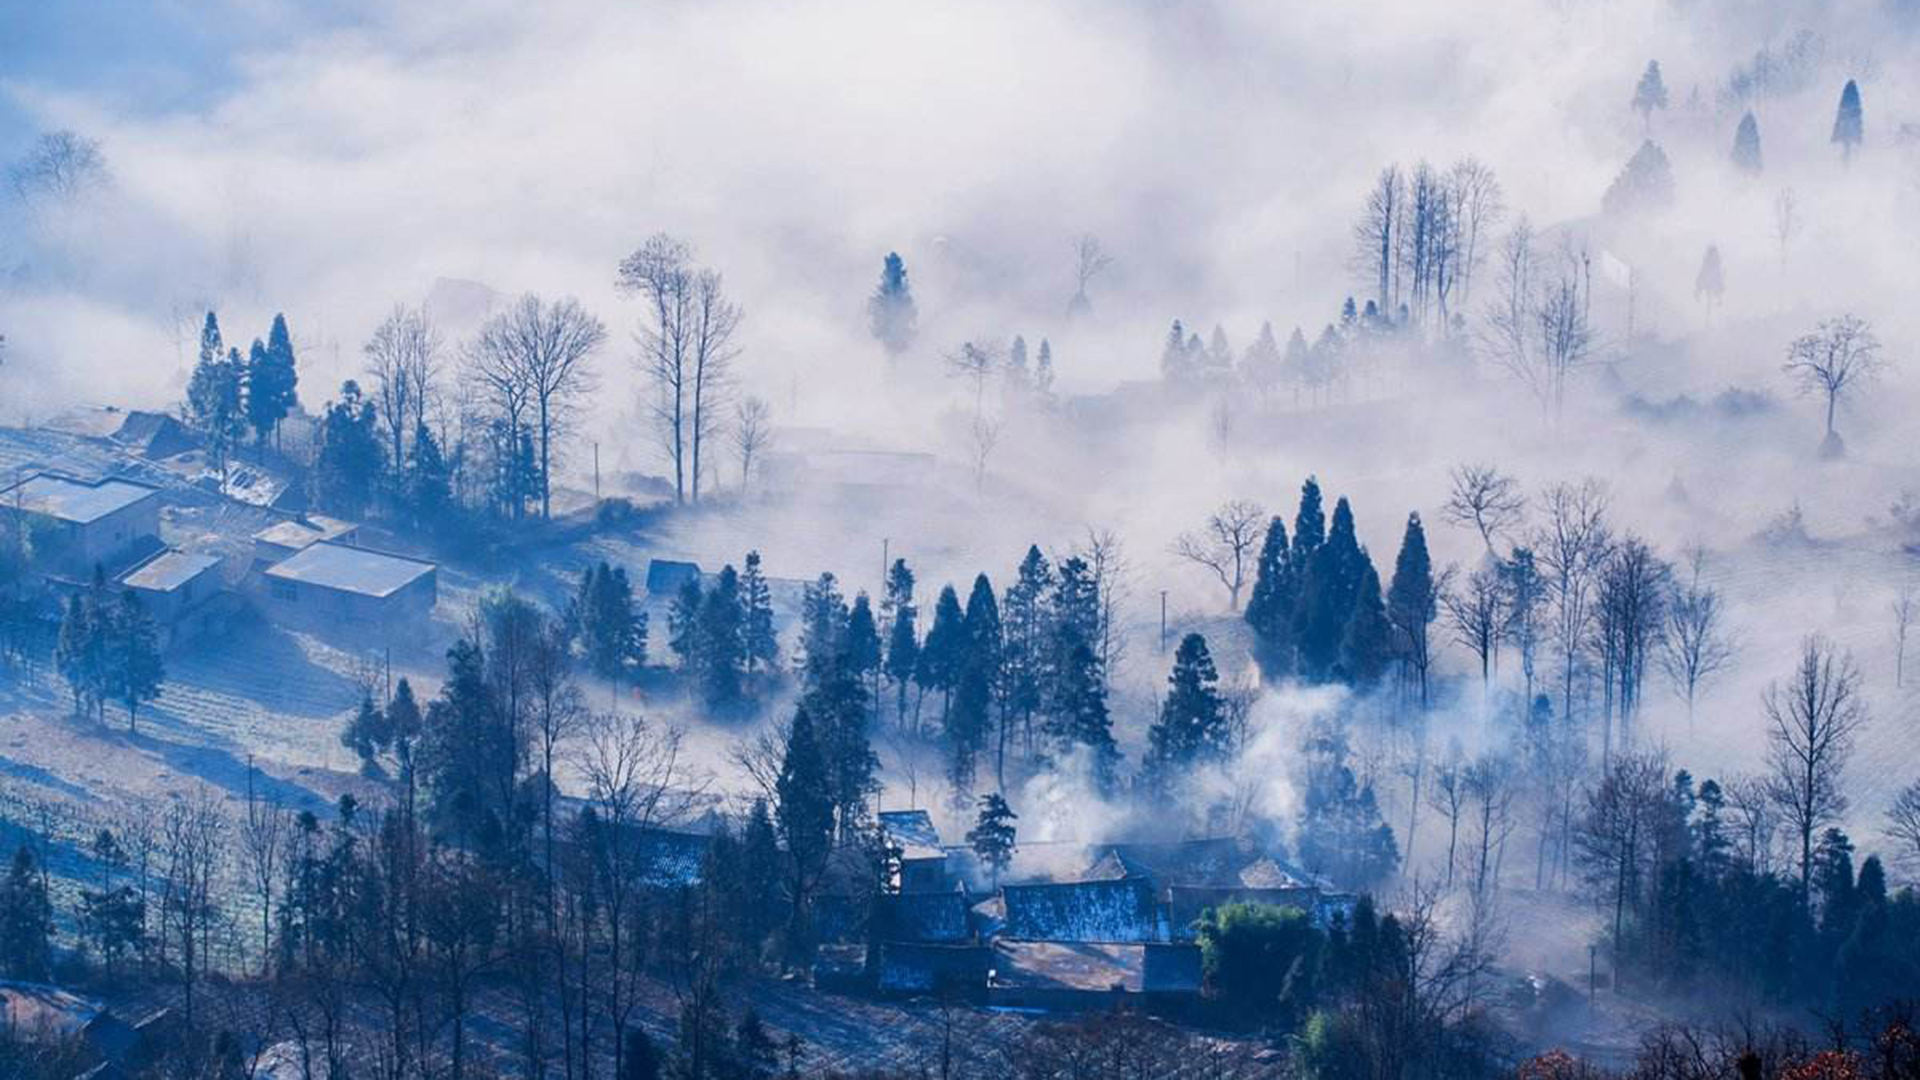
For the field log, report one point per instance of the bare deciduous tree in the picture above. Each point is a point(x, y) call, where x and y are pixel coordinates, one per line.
point(1812, 720)
point(1226, 545)
point(1840, 354)
point(1090, 260)
point(61, 165)
point(1571, 546)
point(983, 436)
point(752, 434)
point(1903, 825)
point(532, 361)
point(403, 364)
point(1477, 206)
point(1478, 613)
point(1695, 644)
point(1539, 328)
point(1485, 498)
point(1906, 607)
point(1376, 235)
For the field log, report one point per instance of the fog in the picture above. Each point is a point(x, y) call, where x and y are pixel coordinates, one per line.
point(332, 163)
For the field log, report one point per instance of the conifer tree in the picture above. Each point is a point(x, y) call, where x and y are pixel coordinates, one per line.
point(1643, 186)
point(992, 836)
point(1192, 727)
point(352, 458)
point(80, 652)
point(903, 642)
point(26, 920)
point(610, 628)
point(1018, 374)
point(823, 627)
point(1367, 643)
point(1043, 369)
point(216, 396)
point(1849, 126)
point(1029, 641)
point(1079, 720)
point(272, 378)
point(1412, 604)
point(759, 640)
point(1710, 283)
point(1270, 610)
point(1261, 366)
point(1327, 592)
point(943, 651)
point(1175, 358)
point(1296, 365)
point(429, 493)
point(1309, 523)
point(804, 812)
point(1746, 145)
point(862, 649)
point(718, 639)
point(683, 627)
point(976, 687)
point(891, 315)
point(135, 668)
point(1649, 93)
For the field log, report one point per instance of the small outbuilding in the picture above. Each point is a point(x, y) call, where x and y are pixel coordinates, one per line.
point(285, 538)
point(80, 524)
point(177, 588)
point(666, 577)
point(1085, 975)
point(330, 585)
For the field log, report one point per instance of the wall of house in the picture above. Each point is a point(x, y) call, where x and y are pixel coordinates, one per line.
point(315, 607)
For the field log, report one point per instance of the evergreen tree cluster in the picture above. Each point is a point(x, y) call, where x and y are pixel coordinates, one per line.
point(228, 395)
point(108, 650)
point(1318, 612)
point(721, 635)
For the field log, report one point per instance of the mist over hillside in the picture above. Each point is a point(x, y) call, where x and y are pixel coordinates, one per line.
point(1419, 474)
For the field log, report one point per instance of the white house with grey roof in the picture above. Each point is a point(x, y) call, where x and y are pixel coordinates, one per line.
point(79, 524)
point(178, 588)
point(329, 585)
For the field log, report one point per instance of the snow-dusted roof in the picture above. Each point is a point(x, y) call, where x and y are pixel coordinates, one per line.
point(1082, 911)
point(167, 570)
point(914, 832)
point(350, 569)
point(296, 533)
point(79, 501)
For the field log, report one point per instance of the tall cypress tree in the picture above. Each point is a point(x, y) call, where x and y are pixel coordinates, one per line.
point(719, 641)
point(1327, 593)
point(1849, 124)
point(1192, 727)
point(862, 649)
point(943, 650)
point(1746, 145)
point(1270, 609)
point(1366, 645)
point(903, 636)
point(976, 686)
point(1080, 721)
point(1029, 639)
point(1309, 523)
point(1413, 602)
point(804, 812)
point(891, 315)
point(758, 638)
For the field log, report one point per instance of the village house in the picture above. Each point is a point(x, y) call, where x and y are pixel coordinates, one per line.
point(334, 586)
point(178, 589)
point(286, 538)
point(80, 524)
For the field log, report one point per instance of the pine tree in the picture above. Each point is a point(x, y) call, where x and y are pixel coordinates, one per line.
point(1219, 354)
point(1192, 727)
point(1327, 592)
point(719, 642)
point(1175, 360)
point(760, 641)
point(976, 685)
point(352, 458)
point(862, 650)
point(1341, 833)
point(1650, 93)
point(1309, 524)
point(992, 836)
point(429, 494)
point(1079, 719)
point(1018, 375)
point(1709, 285)
point(80, 652)
point(903, 643)
point(1029, 640)
point(683, 628)
point(891, 315)
point(609, 626)
point(943, 651)
point(1849, 127)
point(804, 812)
point(1043, 369)
point(823, 627)
point(1263, 366)
point(26, 920)
point(1296, 366)
point(272, 376)
point(1746, 145)
point(216, 396)
point(135, 668)
point(1645, 185)
point(1270, 610)
point(1413, 602)
point(1367, 643)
